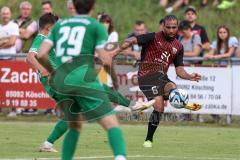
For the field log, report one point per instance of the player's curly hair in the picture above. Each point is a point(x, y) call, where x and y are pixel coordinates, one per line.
point(170, 18)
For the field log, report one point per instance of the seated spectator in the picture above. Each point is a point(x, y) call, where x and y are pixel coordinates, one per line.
point(9, 32)
point(191, 16)
point(47, 7)
point(191, 42)
point(204, 3)
point(174, 7)
point(224, 47)
point(28, 27)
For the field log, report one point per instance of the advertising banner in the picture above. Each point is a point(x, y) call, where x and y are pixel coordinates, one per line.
point(20, 87)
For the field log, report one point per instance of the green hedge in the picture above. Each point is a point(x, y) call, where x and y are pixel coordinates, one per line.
point(125, 12)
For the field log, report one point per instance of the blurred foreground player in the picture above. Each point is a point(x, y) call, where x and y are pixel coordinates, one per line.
point(61, 126)
point(74, 79)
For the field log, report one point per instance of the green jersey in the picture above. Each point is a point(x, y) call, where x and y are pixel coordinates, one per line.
point(77, 36)
point(36, 47)
point(75, 40)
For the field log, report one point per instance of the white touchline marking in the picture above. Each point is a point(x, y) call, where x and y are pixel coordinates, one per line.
point(136, 156)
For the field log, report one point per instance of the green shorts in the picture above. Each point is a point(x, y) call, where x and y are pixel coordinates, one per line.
point(78, 90)
point(89, 101)
point(44, 81)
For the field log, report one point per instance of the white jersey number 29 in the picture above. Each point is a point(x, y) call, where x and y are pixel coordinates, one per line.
point(73, 37)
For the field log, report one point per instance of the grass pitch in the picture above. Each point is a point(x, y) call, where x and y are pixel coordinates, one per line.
point(20, 140)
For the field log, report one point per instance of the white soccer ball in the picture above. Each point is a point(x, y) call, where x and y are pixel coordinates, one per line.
point(178, 98)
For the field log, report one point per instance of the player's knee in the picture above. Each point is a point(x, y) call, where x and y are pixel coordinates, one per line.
point(109, 122)
point(75, 125)
point(159, 105)
point(168, 88)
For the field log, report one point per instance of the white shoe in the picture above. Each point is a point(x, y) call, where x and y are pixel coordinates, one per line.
point(147, 144)
point(169, 10)
point(120, 158)
point(140, 106)
point(47, 147)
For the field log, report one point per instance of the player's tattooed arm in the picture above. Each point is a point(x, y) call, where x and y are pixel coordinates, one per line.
point(128, 42)
point(181, 72)
point(104, 56)
point(124, 45)
point(42, 57)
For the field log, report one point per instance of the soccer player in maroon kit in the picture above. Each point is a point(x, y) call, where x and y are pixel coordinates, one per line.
point(159, 51)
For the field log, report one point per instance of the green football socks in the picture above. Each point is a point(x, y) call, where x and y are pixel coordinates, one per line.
point(117, 142)
point(59, 129)
point(70, 144)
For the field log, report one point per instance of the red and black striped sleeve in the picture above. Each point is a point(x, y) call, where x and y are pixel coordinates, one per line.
point(178, 60)
point(145, 38)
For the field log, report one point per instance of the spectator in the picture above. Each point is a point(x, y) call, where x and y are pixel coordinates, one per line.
point(47, 7)
point(163, 3)
point(175, 6)
point(192, 48)
point(28, 27)
point(190, 41)
point(191, 16)
point(139, 29)
point(224, 47)
point(106, 20)
point(28, 30)
point(9, 32)
point(71, 9)
point(204, 3)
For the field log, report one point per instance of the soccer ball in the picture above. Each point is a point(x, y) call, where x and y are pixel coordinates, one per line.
point(178, 98)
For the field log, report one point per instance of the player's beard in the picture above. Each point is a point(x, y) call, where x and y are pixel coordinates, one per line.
point(169, 38)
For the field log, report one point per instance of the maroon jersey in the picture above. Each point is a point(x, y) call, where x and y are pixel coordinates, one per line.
point(158, 53)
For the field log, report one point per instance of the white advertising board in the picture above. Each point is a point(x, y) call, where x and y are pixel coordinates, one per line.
point(213, 91)
point(236, 90)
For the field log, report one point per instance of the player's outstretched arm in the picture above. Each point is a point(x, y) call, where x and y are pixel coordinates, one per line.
point(104, 56)
point(124, 45)
point(31, 59)
point(42, 57)
point(180, 71)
